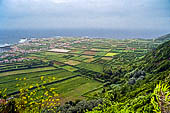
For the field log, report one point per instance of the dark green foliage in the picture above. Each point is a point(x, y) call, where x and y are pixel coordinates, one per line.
point(79, 106)
point(135, 94)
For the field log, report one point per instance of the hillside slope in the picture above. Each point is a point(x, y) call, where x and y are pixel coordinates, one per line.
point(136, 94)
point(164, 38)
point(158, 60)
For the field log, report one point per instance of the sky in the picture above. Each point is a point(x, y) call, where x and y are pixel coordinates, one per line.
point(97, 14)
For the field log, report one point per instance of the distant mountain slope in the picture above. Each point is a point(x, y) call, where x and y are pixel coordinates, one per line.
point(163, 38)
point(158, 59)
point(136, 95)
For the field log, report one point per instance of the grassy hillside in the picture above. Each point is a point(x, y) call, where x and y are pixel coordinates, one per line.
point(164, 38)
point(135, 95)
point(121, 76)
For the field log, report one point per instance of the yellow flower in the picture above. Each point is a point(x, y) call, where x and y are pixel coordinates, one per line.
point(31, 93)
point(42, 77)
point(50, 97)
point(27, 90)
point(56, 95)
point(24, 98)
point(31, 86)
point(57, 99)
point(44, 82)
point(37, 84)
point(25, 102)
point(21, 90)
point(17, 85)
point(16, 78)
point(51, 89)
point(24, 79)
point(54, 78)
point(43, 100)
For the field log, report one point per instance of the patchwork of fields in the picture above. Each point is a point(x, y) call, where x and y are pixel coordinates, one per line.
point(71, 70)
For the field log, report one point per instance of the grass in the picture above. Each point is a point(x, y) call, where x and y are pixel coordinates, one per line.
point(74, 88)
point(69, 68)
point(33, 80)
point(78, 58)
point(92, 67)
point(100, 53)
point(26, 71)
point(111, 54)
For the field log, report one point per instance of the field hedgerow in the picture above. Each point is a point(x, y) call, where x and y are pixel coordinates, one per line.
point(31, 99)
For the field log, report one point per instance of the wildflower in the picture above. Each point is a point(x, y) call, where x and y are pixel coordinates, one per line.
point(21, 90)
point(44, 82)
point(46, 93)
point(31, 86)
point(31, 93)
point(57, 99)
point(42, 100)
point(37, 84)
point(54, 78)
point(17, 85)
point(51, 89)
point(27, 90)
point(56, 95)
point(25, 102)
point(42, 77)
point(50, 97)
point(24, 79)
point(24, 98)
point(16, 78)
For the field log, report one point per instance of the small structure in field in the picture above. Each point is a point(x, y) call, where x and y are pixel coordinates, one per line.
point(59, 50)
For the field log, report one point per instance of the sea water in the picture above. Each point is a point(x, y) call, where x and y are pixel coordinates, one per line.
point(13, 36)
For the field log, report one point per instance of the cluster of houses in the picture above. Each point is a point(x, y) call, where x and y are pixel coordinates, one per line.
point(7, 55)
point(14, 60)
point(37, 45)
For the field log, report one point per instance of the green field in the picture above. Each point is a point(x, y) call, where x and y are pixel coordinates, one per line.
point(26, 71)
point(74, 88)
point(92, 67)
point(90, 56)
point(111, 54)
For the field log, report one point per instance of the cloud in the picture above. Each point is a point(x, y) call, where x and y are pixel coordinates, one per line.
point(115, 14)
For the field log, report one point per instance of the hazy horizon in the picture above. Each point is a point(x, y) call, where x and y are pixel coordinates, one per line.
point(85, 14)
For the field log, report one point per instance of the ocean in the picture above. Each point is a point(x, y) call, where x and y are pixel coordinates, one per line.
point(13, 36)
